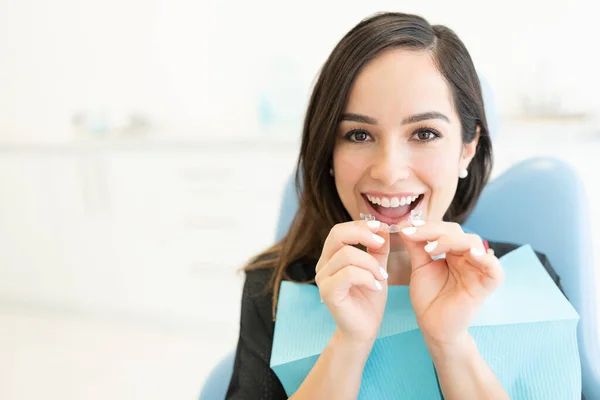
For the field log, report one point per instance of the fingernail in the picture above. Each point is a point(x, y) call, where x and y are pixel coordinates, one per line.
point(418, 222)
point(409, 231)
point(477, 252)
point(378, 286)
point(431, 246)
point(378, 239)
point(383, 272)
point(321, 299)
point(373, 224)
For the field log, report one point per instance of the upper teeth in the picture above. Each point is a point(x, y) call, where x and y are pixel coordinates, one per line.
point(392, 201)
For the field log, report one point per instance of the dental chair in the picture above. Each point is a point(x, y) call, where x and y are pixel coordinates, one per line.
point(540, 202)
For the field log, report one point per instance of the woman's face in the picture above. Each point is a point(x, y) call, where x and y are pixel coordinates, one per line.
point(398, 145)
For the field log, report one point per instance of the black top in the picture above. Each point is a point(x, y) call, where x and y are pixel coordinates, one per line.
point(253, 378)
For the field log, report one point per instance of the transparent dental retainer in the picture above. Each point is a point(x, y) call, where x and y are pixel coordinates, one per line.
point(415, 215)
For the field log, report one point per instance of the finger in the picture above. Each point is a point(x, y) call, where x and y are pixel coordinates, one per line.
point(352, 233)
point(456, 244)
point(337, 286)
point(417, 238)
point(490, 266)
point(350, 255)
point(415, 247)
point(381, 253)
point(431, 231)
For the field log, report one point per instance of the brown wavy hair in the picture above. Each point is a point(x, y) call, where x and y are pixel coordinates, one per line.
point(320, 207)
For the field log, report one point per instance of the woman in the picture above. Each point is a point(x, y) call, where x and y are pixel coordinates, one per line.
point(395, 124)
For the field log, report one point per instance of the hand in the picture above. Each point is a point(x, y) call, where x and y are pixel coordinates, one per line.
point(352, 282)
point(447, 293)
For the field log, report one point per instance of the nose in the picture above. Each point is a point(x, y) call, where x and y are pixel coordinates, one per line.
point(391, 164)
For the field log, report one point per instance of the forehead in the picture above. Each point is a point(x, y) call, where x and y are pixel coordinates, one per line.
point(399, 83)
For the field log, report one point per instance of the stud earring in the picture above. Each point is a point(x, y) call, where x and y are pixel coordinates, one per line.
point(463, 173)
point(331, 171)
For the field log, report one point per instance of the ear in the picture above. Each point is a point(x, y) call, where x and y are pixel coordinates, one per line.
point(469, 150)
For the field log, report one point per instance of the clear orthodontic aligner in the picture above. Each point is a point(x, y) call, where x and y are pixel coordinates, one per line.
point(415, 215)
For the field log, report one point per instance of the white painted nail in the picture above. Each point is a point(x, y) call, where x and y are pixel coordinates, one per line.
point(373, 224)
point(383, 272)
point(378, 286)
point(378, 239)
point(476, 252)
point(418, 222)
point(409, 231)
point(431, 246)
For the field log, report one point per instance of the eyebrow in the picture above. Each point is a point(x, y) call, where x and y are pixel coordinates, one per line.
point(409, 120)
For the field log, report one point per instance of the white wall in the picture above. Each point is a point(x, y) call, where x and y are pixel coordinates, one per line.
point(199, 68)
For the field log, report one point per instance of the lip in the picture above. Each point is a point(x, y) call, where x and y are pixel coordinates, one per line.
point(390, 195)
point(390, 221)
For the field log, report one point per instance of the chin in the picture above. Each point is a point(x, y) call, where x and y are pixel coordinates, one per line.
point(396, 243)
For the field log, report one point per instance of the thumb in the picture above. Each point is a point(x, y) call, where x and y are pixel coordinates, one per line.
point(381, 254)
point(416, 251)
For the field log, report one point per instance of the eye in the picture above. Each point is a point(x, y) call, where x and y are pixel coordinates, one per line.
point(427, 135)
point(357, 136)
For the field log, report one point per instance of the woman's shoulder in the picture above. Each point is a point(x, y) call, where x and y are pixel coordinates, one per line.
point(257, 295)
point(257, 279)
point(503, 248)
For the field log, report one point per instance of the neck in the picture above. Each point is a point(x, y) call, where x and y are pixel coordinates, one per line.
point(398, 268)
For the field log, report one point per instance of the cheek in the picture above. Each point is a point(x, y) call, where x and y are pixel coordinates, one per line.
point(440, 173)
point(437, 170)
point(349, 169)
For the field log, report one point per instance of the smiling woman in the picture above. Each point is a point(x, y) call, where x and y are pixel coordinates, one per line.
point(400, 136)
point(395, 126)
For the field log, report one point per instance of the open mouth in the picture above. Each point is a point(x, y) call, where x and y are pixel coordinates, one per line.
point(392, 210)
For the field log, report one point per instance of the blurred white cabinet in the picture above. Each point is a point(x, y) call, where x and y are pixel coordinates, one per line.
point(144, 232)
point(46, 234)
point(28, 227)
point(185, 222)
